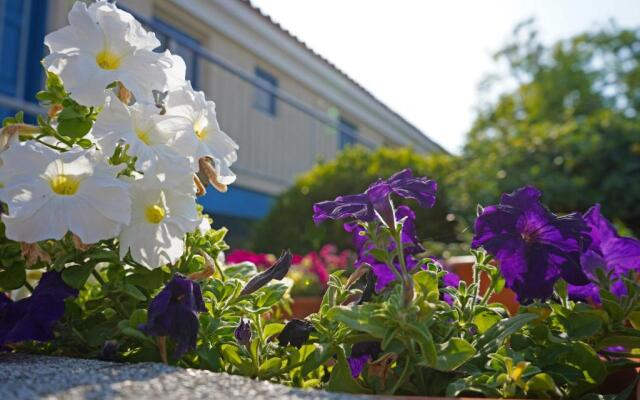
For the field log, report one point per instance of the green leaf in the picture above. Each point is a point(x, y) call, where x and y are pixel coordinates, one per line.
point(341, 379)
point(232, 355)
point(542, 384)
point(12, 278)
point(357, 318)
point(427, 283)
point(319, 356)
point(272, 329)
point(629, 342)
point(76, 276)
point(270, 366)
point(494, 336)
point(134, 292)
point(582, 325)
point(210, 358)
point(149, 280)
point(634, 318)
point(453, 354)
point(485, 320)
point(586, 359)
point(242, 270)
point(131, 332)
point(75, 128)
point(425, 341)
point(138, 317)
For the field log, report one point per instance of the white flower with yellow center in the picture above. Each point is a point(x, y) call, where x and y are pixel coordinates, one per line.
point(103, 44)
point(204, 138)
point(153, 138)
point(160, 218)
point(49, 194)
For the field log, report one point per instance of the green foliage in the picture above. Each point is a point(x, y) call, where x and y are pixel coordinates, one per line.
point(289, 224)
point(569, 126)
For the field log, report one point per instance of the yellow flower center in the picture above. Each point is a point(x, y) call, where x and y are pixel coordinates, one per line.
point(65, 185)
point(107, 60)
point(154, 214)
point(201, 133)
point(143, 136)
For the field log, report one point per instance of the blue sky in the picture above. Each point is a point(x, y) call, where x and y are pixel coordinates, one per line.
point(425, 58)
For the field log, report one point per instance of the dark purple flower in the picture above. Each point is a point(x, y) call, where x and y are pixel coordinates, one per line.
point(450, 279)
point(295, 333)
point(34, 317)
point(277, 271)
point(377, 199)
point(533, 246)
point(174, 313)
point(355, 206)
point(243, 332)
point(411, 245)
point(613, 254)
point(361, 354)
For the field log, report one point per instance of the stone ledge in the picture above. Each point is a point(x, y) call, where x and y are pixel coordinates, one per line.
point(42, 377)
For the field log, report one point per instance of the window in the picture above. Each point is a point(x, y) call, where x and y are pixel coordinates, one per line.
point(348, 134)
point(180, 43)
point(263, 100)
point(22, 29)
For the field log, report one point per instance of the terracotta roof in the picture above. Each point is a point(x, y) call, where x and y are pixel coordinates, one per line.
point(266, 17)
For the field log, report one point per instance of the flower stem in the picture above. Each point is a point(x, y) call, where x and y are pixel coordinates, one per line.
point(402, 377)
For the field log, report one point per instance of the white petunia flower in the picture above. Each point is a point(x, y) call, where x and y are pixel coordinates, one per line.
point(153, 138)
point(160, 219)
point(50, 193)
point(103, 44)
point(204, 136)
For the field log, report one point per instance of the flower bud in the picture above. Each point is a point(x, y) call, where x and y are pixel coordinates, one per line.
point(243, 332)
point(277, 271)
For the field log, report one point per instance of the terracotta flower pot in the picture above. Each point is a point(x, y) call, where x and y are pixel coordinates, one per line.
point(303, 306)
point(463, 266)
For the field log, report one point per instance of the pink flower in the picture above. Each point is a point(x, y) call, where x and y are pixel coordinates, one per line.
point(261, 260)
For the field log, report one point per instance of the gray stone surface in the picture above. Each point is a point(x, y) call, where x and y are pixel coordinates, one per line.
point(41, 377)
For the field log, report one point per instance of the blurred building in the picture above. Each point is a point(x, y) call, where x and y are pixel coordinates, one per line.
point(286, 106)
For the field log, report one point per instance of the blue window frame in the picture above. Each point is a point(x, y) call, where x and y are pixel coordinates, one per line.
point(348, 134)
point(264, 100)
point(22, 30)
point(180, 43)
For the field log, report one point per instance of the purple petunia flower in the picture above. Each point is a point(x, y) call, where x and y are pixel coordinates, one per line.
point(361, 354)
point(411, 245)
point(450, 279)
point(533, 246)
point(614, 254)
point(34, 317)
point(174, 313)
point(377, 199)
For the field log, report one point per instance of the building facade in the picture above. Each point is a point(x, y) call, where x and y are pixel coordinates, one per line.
point(284, 105)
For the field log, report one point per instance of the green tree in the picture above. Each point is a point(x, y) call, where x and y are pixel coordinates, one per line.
point(290, 224)
point(570, 125)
